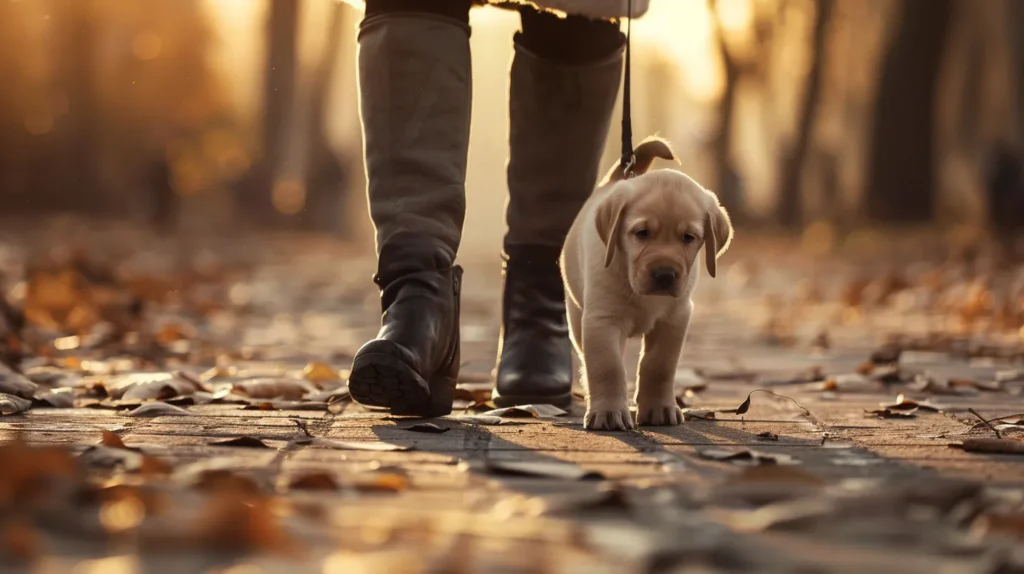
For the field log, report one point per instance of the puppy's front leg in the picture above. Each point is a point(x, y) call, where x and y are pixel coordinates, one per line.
point(604, 341)
point(655, 387)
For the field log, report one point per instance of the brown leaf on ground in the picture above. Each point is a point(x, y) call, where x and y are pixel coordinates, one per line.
point(472, 395)
point(13, 383)
point(242, 442)
point(999, 523)
point(775, 474)
point(351, 445)
point(478, 420)
point(223, 479)
point(536, 411)
point(111, 439)
point(320, 373)
point(153, 466)
point(891, 414)
point(12, 405)
point(313, 481)
point(270, 388)
point(157, 410)
point(381, 482)
point(58, 399)
point(19, 542)
point(330, 396)
point(698, 415)
point(429, 428)
point(747, 456)
point(991, 445)
point(561, 470)
point(235, 523)
point(157, 390)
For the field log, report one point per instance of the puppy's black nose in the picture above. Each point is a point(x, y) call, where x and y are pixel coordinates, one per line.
point(664, 277)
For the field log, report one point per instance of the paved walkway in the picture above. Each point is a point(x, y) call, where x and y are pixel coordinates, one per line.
point(806, 480)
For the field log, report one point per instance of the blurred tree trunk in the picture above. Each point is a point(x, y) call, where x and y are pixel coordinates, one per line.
point(790, 194)
point(727, 183)
point(1005, 174)
point(75, 184)
point(325, 174)
point(255, 193)
point(901, 172)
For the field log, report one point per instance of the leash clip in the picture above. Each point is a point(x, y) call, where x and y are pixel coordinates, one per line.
point(627, 169)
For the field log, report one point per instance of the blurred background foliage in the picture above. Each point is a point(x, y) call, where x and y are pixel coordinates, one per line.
point(817, 116)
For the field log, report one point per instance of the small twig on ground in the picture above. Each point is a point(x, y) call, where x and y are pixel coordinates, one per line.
point(985, 422)
point(1004, 417)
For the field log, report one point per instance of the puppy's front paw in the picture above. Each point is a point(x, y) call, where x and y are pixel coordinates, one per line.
point(658, 414)
point(618, 418)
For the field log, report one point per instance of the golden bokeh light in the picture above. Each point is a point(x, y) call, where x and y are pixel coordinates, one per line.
point(289, 196)
point(147, 46)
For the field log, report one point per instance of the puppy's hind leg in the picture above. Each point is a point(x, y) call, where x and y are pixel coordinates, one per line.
point(655, 387)
point(604, 342)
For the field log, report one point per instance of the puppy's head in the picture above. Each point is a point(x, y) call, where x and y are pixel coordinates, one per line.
point(657, 223)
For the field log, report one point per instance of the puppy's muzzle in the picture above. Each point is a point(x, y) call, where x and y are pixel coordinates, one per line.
point(664, 281)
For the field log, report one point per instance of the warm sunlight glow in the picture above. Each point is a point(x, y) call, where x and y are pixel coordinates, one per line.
point(684, 32)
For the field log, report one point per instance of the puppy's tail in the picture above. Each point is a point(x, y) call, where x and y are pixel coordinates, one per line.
point(650, 148)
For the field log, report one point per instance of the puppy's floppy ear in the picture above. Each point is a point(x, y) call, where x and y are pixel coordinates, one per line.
point(717, 233)
point(609, 222)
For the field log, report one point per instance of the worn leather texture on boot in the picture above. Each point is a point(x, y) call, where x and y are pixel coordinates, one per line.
point(559, 119)
point(412, 366)
point(415, 92)
point(535, 353)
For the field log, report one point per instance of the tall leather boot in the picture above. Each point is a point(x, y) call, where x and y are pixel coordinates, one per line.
point(560, 113)
point(415, 91)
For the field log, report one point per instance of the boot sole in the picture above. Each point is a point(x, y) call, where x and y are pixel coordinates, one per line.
point(380, 380)
point(563, 401)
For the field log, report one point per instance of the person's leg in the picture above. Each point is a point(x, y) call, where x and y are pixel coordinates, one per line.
point(415, 92)
point(564, 83)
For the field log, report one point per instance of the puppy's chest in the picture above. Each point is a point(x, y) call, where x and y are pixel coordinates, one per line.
point(648, 312)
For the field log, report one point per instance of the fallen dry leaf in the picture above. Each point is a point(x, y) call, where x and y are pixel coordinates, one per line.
point(562, 470)
point(330, 396)
point(775, 474)
point(381, 482)
point(225, 479)
point(537, 411)
point(991, 445)
point(891, 414)
point(478, 420)
point(12, 405)
point(111, 439)
point(747, 456)
point(698, 415)
point(429, 428)
point(268, 388)
point(12, 383)
point(19, 542)
point(999, 523)
point(63, 399)
point(314, 481)
point(236, 523)
point(472, 395)
point(349, 445)
point(320, 373)
point(157, 410)
point(242, 441)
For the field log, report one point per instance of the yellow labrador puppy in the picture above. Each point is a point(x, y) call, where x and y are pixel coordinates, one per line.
point(630, 264)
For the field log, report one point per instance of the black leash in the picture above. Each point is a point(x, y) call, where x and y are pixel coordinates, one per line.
point(628, 158)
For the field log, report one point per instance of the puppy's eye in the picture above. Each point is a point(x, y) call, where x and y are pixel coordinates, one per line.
point(688, 238)
point(642, 234)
